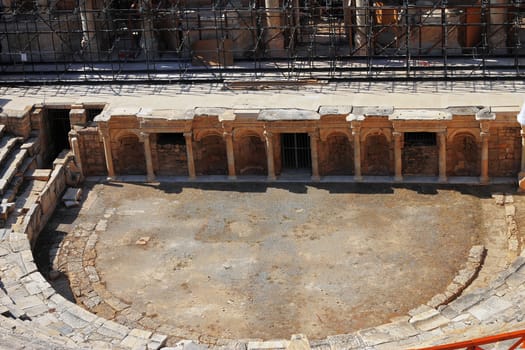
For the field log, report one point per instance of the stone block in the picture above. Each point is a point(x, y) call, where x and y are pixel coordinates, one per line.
point(134, 343)
point(72, 194)
point(489, 308)
point(38, 174)
point(266, 345)
point(466, 301)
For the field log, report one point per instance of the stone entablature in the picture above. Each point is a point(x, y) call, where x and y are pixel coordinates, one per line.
point(355, 141)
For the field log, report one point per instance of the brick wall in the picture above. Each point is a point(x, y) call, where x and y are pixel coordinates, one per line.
point(91, 152)
point(421, 160)
point(504, 151)
point(336, 156)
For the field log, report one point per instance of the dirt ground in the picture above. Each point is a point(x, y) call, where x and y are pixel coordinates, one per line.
point(251, 261)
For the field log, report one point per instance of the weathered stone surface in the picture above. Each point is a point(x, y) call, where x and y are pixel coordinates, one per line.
point(489, 308)
point(287, 114)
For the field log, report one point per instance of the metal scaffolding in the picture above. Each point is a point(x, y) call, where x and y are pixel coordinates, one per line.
point(249, 40)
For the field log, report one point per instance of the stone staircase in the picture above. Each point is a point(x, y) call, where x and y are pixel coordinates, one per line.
point(16, 157)
point(32, 313)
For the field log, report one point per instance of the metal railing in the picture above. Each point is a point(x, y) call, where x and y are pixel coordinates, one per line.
point(508, 341)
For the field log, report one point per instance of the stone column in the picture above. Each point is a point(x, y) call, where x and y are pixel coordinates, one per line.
point(484, 179)
point(230, 155)
point(521, 176)
point(147, 154)
point(314, 144)
point(269, 155)
point(273, 36)
point(442, 156)
point(356, 133)
point(76, 151)
point(107, 153)
point(398, 156)
point(361, 20)
point(498, 31)
point(189, 154)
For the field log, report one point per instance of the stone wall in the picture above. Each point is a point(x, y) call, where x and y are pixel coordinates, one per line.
point(250, 156)
point(378, 158)
point(336, 156)
point(210, 156)
point(17, 123)
point(420, 160)
point(129, 155)
point(40, 212)
point(91, 152)
point(463, 156)
point(504, 151)
point(170, 159)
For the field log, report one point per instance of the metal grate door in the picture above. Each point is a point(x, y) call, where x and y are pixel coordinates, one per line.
point(296, 151)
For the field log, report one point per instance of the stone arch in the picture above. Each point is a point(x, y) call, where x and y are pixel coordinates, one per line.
point(198, 135)
point(336, 155)
point(377, 155)
point(130, 158)
point(210, 155)
point(241, 133)
point(325, 134)
point(250, 155)
point(387, 133)
point(464, 155)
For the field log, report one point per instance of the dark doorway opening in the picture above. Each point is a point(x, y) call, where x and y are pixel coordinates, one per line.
point(58, 129)
point(296, 151)
point(420, 154)
point(420, 139)
point(171, 139)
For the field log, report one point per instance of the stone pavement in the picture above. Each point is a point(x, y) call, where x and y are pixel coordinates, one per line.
point(35, 315)
point(500, 95)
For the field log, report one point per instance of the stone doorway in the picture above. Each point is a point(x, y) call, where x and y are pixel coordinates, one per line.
point(420, 154)
point(295, 152)
point(58, 127)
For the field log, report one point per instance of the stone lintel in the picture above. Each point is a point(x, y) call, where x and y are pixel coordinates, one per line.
point(118, 112)
point(287, 114)
point(167, 114)
point(463, 110)
point(355, 117)
point(420, 114)
point(335, 110)
point(485, 114)
point(246, 112)
point(372, 111)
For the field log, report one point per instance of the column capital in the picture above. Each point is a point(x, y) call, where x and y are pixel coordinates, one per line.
point(268, 133)
point(226, 134)
point(143, 135)
point(397, 134)
point(484, 134)
point(104, 132)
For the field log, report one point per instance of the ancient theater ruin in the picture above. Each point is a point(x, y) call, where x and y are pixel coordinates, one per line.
point(277, 174)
